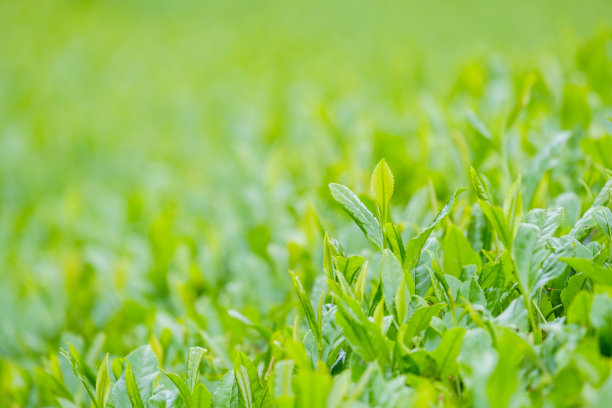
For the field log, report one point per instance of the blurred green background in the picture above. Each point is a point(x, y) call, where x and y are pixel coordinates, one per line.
point(168, 159)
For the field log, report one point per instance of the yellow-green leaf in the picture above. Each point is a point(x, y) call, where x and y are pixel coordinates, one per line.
point(382, 185)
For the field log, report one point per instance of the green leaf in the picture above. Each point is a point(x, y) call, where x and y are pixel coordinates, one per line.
point(307, 307)
point(244, 385)
point(103, 383)
point(227, 394)
point(493, 275)
point(381, 185)
point(331, 249)
point(132, 387)
point(496, 215)
point(479, 188)
point(339, 391)
point(588, 221)
point(362, 334)
point(416, 244)
point(419, 321)
point(361, 282)
point(585, 224)
point(117, 367)
point(359, 213)
point(547, 221)
point(597, 273)
point(580, 308)
point(497, 219)
point(402, 298)
point(394, 238)
point(202, 398)
point(604, 394)
point(312, 387)
point(601, 318)
point(458, 252)
point(447, 352)
point(391, 274)
point(145, 370)
point(296, 351)
point(505, 379)
point(193, 365)
point(604, 198)
point(253, 392)
point(529, 253)
point(349, 266)
point(603, 217)
point(475, 294)
point(513, 206)
point(360, 386)
point(283, 379)
point(183, 388)
point(78, 371)
point(575, 284)
point(515, 315)
point(49, 382)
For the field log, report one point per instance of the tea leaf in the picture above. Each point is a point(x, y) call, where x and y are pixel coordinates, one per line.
point(382, 188)
point(359, 213)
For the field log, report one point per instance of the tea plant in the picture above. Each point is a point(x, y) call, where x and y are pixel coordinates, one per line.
point(197, 213)
point(523, 321)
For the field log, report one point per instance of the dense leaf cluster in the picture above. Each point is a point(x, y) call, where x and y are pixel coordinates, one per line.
point(527, 321)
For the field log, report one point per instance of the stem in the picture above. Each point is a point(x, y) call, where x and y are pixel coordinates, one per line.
point(532, 320)
point(452, 304)
point(539, 311)
point(552, 311)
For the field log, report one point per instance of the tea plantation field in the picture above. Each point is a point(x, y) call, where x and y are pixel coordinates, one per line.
point(305, 204)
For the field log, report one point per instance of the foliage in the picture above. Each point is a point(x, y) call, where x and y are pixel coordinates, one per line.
point(301, 237)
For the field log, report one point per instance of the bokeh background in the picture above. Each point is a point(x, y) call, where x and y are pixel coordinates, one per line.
point(163, 161)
